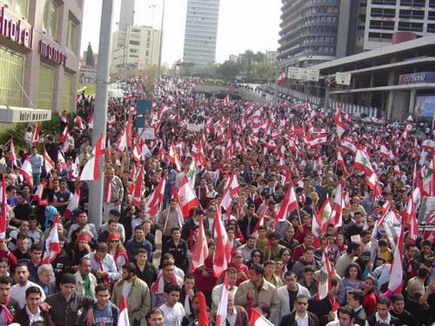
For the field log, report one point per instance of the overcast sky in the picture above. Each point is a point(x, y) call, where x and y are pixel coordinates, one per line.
point(243, 25)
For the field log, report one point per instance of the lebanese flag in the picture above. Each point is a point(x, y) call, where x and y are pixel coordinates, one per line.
point(73, 204)
point(91, 171)
point(35, 137)
point(186, 197)
point(341, 126)
point(200, 252)
point(227, 101)
point(385, 152)
point(259, 223)
point(396, 274)
point(191, 175)
point(52, 245)
point(226, 200)
point(64, 135)
point(79, 122)
point(91, 121)
point(340, 161)
point(39, 191)
point(257, 319)
point(12, 156)
point(373, 183)
point(281, 78)
point(61, 159)
point(429, 179)
point(123, 313)
point(362, 162)
point(337, 207)
point(233, 184)
point(288, 205)
point(316, 224)
point(223, 250)
point(4, 209)
point(123, 141)
point(48, 162)
point(137, 187)
point(349, 146)
point(325, 276)
point(156, 198)
point(325, 214)
point(174, 158)
point(221, 313)
point(26, 171)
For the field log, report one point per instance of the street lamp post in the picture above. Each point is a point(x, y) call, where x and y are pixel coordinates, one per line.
point(161, 41)
point(96, 186)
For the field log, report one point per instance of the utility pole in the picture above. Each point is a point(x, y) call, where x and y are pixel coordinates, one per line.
point(161, 41)
point(100, 111)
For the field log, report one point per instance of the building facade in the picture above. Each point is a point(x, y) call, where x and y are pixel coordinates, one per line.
point(126, 17)
point(386, 17)
point(39, 53)
point(201, 32)
point(136, 48)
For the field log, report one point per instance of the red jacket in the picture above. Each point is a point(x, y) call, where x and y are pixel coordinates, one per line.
point(206, 283)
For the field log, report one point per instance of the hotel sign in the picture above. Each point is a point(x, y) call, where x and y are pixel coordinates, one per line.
point(52, 53)
point(13, 114)
point(417, 78)
point(15, 29)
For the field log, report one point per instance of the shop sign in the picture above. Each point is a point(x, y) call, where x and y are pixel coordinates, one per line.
point(15, 29)
point(417, 78)
point(52, 53)
point(13, 114)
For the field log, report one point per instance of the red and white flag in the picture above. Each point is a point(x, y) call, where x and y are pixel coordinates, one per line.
point(341, 126)
point(138, 187)
point(12, 156)
point(341, 162)
point(396, 274)
point(174, 157)
point(288, 204)
point(79, 122)
point(4, 209)
point(73, 204)
point(52, 245)
point(429, 179)
point(325, 276)
point(221, 313)
point(257, 319)
point(337, 207)
point(200, 252)
point(39, 191)
point(91, 171)
point(222, 254)
point(187, 198)
point(123, 319)
point(26, 171)
point(385, 152)
point(349, 146)
point(48, 162)
point(325, 215)
point(91, 121)
point(35, 137)
point(281, 77)
point(362, 162)
point(156, 198)
point(64, 135)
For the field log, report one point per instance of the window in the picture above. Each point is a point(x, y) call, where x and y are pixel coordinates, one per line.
point(19, 7)
point(45, 87)
point(147, 53)
point(67, 97)
point(134, 43)
point(133, 50)
point(11, 78)
point(71, 35)
point(49, 25)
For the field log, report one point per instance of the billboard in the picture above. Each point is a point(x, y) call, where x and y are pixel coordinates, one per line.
point(424, 106)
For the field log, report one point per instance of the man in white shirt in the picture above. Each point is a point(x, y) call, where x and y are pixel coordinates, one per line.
point(172, 309)
point(217, 290)
point(18, 291)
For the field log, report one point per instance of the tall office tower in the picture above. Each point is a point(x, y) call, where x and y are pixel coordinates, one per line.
point(386, 17)
point(201, 32)
point(126, 17)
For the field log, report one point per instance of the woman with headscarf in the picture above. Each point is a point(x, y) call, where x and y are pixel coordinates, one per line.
point(50, 213)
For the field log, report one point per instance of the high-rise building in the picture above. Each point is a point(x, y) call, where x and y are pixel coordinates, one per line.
point(386, 17)
point(313, 31)
point(126, 17)
point(135, 48)
point(39, 65)
point(201, 32)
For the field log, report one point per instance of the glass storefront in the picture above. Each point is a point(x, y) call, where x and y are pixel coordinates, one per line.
point(45, 87)
point(67, 96)
point(11, 78)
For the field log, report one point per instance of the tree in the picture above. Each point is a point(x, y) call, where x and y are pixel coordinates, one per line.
point(229, 70)
point(90, 61)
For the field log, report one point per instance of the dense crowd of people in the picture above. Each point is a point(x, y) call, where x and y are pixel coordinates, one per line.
point(301, 201)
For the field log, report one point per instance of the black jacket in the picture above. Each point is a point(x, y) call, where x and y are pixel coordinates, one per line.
point(393, 322)
point(243, 225)
point(66, 313)
point(289, 320)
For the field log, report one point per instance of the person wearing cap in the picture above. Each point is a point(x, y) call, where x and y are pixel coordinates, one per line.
point(117, 249)
point(242, 269)
point(81, 249)
point(65, 305)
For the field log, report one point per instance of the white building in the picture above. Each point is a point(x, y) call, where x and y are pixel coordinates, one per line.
point(138, 47)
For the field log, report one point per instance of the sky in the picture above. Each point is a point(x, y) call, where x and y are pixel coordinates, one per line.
point(243, 25)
